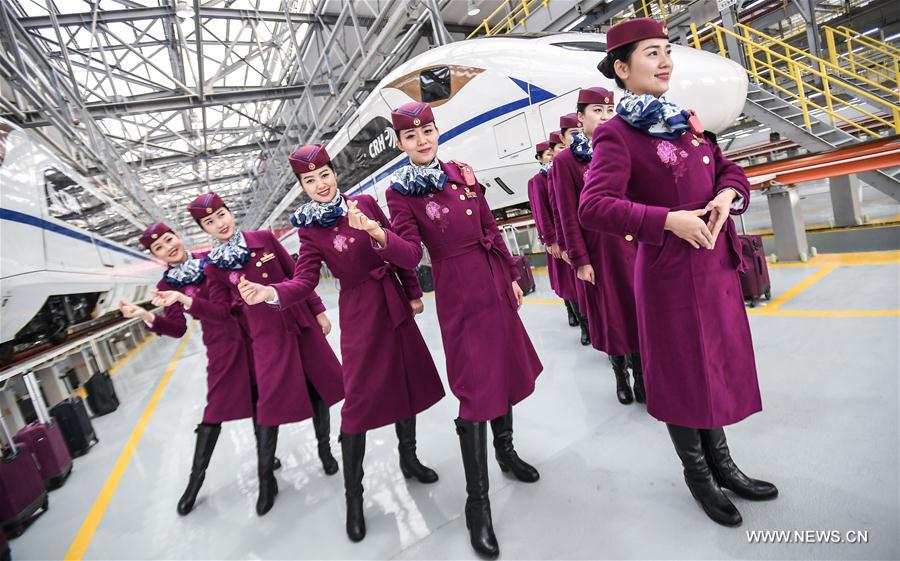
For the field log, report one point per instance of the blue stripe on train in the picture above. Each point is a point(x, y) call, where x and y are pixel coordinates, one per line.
point(22, 218)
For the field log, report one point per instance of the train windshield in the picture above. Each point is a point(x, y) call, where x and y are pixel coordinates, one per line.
point(594, 46)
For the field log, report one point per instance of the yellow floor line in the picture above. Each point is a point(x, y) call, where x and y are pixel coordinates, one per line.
point(891, 257)
point(119, 363)
point(800, 287)
point(825, 313)
point(92, 521)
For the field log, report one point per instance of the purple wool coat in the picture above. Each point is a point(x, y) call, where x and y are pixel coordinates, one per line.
point(491, 363)
point(609, 302)
point(289, 348)
point(229, 361)
point(540, 211)
point(699, 367)
point(566, 281)
point(389, 374)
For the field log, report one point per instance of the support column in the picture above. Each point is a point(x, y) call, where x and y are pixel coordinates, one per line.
point(102, 355)
point(846, 200)
point(51, 383)
point(787, 223)
point(729, 10)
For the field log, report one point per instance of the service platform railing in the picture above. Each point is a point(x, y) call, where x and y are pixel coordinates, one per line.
point(814, 84)
point(508, 15)
point(864, 55)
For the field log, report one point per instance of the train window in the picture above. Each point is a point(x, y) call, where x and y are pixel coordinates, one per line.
point(435, 84)
point(594, 46)
point(69, 201)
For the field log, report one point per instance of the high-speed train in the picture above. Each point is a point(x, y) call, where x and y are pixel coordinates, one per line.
point(495, 98)
point(60, 263)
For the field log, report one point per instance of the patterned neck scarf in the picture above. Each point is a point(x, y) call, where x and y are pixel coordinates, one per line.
point(545, 168)
point(231, 254)
point(189, 272)
point(581, 146)
point(314, 213)
point(658, 117)
point(419, 180)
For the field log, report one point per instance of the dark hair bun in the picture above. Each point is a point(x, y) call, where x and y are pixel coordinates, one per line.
point(607, 67)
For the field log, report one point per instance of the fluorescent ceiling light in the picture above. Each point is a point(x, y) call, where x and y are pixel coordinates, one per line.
point(184, 9)
point(472, 9)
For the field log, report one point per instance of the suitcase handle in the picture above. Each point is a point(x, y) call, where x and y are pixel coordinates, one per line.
point(37, 400)
point(8, 438)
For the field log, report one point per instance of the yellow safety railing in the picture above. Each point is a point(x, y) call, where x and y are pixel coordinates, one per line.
point(804, 78)
point(508, 15)
point(864, 55)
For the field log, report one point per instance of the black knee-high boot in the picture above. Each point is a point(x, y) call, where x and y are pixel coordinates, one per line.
point(322, 428)
point(266, 442)
point(640, 394)
point(276, 463)
point(509, 460)
point(620, 369)
point(699, 478)
point(572, 310)
point(473, 445)
point(353, 447)
point(207, 435)
point(409, 461)
point(585, 332)
point(727, 474)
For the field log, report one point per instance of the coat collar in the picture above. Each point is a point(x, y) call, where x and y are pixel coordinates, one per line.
point(255, 240)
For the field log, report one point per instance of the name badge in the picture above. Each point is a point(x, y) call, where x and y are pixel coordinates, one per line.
point(267, 257)
point(471, 194)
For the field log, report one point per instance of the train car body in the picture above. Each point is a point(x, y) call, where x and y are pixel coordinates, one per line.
point(55, 268)
point(495, 98)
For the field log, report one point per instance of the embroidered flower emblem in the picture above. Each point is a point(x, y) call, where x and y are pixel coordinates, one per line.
point(340, 243)
point(666, 152)
point(190, 291)
point(234, 277)
point(436, 213)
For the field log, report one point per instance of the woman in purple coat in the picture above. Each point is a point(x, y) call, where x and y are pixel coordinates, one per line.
point(569, 284)
point(229, 377)
point(539, 199)
point(297, 373)
point(388, 378)
point(604, 263)
point(670, 190)
point(491, 363)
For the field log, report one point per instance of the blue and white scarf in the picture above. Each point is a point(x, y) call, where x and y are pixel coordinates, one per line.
point(314, 213)
point(581, 146)
point(189, 272)
point(231, 254)
point(660, 118)
point(419, 181)
point(545, 168)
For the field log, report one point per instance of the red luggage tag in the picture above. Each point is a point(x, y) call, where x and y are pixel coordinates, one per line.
point(696, 127)
point(467, 173)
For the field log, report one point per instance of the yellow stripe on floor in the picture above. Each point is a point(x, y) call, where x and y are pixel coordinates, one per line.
point(121, 362)
point(800, 287)
point(92, 521)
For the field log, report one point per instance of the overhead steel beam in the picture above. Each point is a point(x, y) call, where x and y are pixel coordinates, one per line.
point(135, 106)
point(179, 158)
point(198, 183)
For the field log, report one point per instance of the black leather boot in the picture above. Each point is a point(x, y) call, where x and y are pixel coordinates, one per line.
point(473, 444)
point(322, 428)
point(353, 447)
point(266, 441)
point(699, 478)
point(585, 333)
point(727, 474)
point(620, 369)
point(640, 394)
point(409, 462)
point(276, 464)
point(509, 460)
point(573, 313)
point(207, 435)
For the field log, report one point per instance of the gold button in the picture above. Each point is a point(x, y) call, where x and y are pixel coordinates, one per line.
point(629, 237)
point(695, 142)
point(469, 211)
point(265, 275)
point(454, 187)
point(705, 159)
point(259, 263)
point(462, 197)
point(252, 254)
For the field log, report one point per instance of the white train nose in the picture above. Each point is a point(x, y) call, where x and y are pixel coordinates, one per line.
point(713, 86)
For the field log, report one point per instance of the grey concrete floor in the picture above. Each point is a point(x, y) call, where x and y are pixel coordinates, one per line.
point(611, 485)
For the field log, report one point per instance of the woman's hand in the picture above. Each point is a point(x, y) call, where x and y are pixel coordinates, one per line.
point(254, 293)
point(687, 225)
point(360, 221)
point(586, 273)
point(324, 323)
point(564, 255)
point(554, 250)
point(719, 208)
point(166, 298)
point(130, 310)
point(417, 306)
point(517, 290)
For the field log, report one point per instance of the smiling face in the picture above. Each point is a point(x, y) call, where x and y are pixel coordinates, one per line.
point(545, 157)
point(595, 114)
point(420, 143)
point(169, 248)
point(648, 69)
point(219, 224)
point(320, 185)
